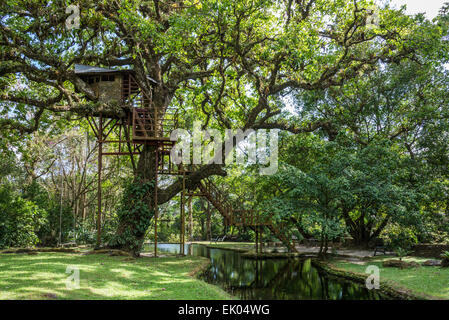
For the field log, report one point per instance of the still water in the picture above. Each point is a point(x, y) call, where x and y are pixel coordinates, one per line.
point(274, 279)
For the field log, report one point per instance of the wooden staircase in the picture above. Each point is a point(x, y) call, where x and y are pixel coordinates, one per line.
point(151, 123)
point(234, 215)
point(129, 87)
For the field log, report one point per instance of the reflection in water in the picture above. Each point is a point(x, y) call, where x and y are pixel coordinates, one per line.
point(169, 248)
point(279, 279)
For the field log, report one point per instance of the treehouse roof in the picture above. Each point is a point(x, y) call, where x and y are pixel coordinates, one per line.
point(82, 69)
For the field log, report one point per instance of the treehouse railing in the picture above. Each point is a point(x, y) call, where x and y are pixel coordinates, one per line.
point(241, 217)
point(153, 124)
point(235, 216)
point(149, 122)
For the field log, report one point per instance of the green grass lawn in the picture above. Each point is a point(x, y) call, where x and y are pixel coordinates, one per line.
point(43, 276)
point(431, 281)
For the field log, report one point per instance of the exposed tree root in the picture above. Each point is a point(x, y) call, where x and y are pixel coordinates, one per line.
point(400, 264)
point(111, 252)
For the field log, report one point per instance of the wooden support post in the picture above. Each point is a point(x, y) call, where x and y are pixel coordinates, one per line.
point(100, 167)
point(189, 201)
point(261, 239)
point(156, 124)
point(182, 236)
point(257, 239)
point(120, 136)
point(155, 202)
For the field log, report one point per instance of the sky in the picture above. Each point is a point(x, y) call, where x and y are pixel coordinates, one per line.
point(430, 7)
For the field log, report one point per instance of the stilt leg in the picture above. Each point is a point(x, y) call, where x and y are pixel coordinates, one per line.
point(156, 213)
point(100, 167)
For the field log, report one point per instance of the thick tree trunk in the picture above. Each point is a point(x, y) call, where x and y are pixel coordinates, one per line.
point(146, 170)
point(361, 237)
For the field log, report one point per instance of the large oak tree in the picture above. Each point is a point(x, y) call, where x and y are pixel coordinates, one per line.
point(231, 62)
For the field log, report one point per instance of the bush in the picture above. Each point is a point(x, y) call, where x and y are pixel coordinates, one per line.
point(57, 217)
point(401, 252)
point(85, 233)
point(109, 228)
point(445, 257)
point(398, 237)
point(49, 232)
point(20, 220)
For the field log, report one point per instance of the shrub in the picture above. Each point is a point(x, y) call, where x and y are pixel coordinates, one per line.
point(445, 257)
point(401, 252)
point(399, 237)
point(20, 220)
point(57, 217)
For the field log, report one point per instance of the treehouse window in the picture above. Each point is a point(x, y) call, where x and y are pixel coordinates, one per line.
point(108, 78)
point(91, 80)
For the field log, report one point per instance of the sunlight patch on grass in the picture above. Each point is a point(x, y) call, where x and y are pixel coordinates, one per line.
point(103, 277)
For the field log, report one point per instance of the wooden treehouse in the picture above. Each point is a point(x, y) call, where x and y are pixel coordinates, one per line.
point(144, 123)
point(141, 122)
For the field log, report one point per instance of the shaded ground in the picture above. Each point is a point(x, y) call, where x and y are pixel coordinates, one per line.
point(43, 276)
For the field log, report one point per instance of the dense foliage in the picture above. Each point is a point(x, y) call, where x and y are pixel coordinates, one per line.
point(19, 220)
point(363, 110)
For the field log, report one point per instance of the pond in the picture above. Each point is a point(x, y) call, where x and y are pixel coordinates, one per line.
point(273, 279)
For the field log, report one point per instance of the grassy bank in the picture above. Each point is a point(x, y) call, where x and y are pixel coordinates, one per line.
point(429, 282)
point(43, 276)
